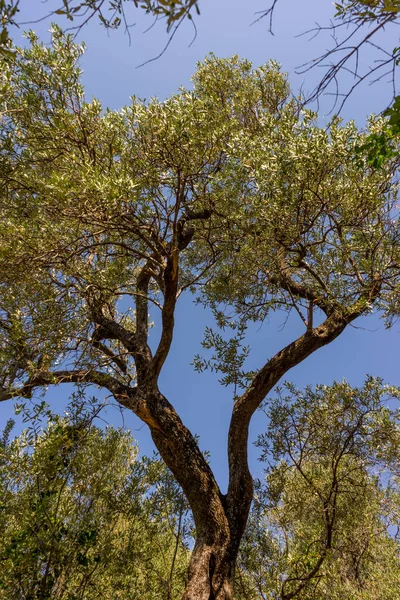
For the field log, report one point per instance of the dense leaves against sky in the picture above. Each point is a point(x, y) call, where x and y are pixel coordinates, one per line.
point(328, 511)
point(277, 210)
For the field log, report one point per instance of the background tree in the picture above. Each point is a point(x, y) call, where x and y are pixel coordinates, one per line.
point(77, 506)
point(325, 520)
point(229, 189)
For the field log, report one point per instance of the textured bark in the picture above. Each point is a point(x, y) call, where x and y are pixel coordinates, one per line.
point(221, 520)
point(212, 564)
point(211, 572)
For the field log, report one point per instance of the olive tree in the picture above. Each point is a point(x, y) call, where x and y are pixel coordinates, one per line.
point(77, 505)
point(228, 190)
point(324, 524)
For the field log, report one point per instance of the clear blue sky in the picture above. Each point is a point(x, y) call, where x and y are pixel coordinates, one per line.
point(111, 74)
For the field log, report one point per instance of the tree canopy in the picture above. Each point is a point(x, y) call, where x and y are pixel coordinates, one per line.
point(229, 190)
point(326, 517)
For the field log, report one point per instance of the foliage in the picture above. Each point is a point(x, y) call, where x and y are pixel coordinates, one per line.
point(324, 523)
point(367, 10)
point(82, 517)
point(78, 505)
point(382, 146)
point(8, 12)
point(230, 191)
point(228, 358)
point(172, 11)
point(356, 25)
point(88, 198)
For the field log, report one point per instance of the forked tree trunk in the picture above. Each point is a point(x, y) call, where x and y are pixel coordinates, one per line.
point(219, 522)
point(221, 519)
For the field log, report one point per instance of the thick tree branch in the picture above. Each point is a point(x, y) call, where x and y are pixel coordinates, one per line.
point(115, 358)
point(143, 355)
point(181, 453)
point(91, 376)
point(181, 239)
point(240, 480)
point(167, 315)
point(142, 307)
point(108, 329)
point(134, 342)
point(301, 290)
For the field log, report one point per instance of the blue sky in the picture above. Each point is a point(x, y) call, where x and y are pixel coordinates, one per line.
point(111, 74)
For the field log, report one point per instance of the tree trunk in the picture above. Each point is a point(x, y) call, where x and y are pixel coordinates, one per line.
point(211, 572)
point(219, 519)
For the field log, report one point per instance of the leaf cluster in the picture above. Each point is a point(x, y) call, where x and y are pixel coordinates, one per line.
point(366, 11)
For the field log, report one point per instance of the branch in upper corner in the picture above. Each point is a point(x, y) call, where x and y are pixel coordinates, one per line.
point(111, 14)
point(352, 29)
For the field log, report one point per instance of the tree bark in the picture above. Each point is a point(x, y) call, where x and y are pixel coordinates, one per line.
point(211, 571)
point(220, 519)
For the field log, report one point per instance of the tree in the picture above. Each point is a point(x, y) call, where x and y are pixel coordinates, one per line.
point(325, 520)
point(230, 191)
point(77, 505)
